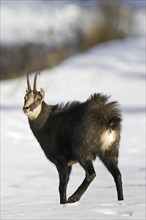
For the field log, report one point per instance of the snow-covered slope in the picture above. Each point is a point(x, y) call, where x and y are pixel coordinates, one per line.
point(45, 22)
point(58, 22)
point(30, 182)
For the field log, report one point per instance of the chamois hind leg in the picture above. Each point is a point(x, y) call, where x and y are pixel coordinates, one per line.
point(64, 173)
point(110, 160)
point(90, 175)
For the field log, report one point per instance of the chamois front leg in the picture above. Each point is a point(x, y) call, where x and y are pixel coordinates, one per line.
point(64, 173)
point(90, 175)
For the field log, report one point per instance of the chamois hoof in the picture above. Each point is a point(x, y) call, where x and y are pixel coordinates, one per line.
point(72, 199)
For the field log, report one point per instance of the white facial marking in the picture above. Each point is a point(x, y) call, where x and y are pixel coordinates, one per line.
point(35, 113)
point(30, 100)
point(107, 139)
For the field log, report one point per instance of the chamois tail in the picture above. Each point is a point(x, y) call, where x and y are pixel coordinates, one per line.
point(114, 122)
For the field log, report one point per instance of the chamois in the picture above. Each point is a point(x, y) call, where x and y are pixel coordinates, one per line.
point(76, 132)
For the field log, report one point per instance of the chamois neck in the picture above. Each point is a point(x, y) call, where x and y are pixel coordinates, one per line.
point(42, 118)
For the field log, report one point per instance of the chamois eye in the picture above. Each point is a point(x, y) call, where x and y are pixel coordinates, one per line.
point(25, 98)
point(38, 99)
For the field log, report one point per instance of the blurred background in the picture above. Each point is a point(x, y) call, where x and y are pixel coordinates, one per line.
point(80, 47)
point(39, 34)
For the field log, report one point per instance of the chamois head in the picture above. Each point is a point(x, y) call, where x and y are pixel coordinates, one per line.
point(33, 100)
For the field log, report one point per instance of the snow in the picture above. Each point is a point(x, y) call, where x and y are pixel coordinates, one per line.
point(59, 22)
point(30, 182)
point(36, 21)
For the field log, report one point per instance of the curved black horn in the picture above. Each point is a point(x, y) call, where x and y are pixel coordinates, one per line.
point(35, 79)
point(28, 83)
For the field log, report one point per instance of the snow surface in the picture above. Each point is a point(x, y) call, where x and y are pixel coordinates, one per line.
point(30, 181)
point(37, 21)
point(59, 22)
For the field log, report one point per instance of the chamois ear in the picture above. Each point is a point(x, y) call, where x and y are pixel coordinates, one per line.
point(42, 92)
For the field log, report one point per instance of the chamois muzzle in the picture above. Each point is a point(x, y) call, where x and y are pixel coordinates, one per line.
point(26, 109)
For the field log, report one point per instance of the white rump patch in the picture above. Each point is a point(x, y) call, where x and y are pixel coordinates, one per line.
point(108, 137)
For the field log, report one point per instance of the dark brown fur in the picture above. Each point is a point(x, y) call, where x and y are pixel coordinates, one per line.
point(71, 133)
